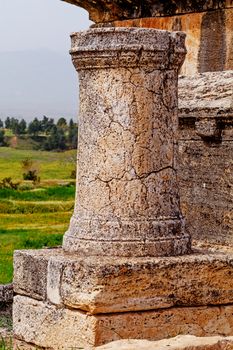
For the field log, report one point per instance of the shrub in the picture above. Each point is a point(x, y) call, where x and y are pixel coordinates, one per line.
point(30, 170)
point(73, 174)
point(8, 183)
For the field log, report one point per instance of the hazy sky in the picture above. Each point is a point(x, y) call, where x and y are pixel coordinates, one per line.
point(36, 74)
point(33, 24)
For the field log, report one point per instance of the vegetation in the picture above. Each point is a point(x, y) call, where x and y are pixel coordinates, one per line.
point(54, 166)
point(42, 134)
point(6, 344)
point(27, 224)
point(33, 214)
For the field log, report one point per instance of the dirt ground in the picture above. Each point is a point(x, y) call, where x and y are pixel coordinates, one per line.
point(5, 321)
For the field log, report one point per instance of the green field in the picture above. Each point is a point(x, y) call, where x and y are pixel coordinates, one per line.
point(53, 166)
point(34, 216)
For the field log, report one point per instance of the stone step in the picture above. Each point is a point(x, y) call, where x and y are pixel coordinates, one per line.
point(113, 285)
point(181, 342)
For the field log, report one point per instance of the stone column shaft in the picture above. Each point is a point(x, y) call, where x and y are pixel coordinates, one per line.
point(127, 200)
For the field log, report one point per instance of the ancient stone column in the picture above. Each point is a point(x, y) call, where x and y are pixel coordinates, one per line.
point(127, 200)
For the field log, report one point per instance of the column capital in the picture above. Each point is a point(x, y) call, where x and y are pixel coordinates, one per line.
point(127, 47)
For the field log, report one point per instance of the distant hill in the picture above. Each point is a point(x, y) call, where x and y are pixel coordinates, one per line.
point(37, 83)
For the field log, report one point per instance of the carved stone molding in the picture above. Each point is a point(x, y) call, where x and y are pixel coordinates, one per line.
point(110, 47)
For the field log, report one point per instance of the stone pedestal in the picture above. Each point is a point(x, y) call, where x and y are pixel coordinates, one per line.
point(65, 302)
point(124, 270)
point(127, 193)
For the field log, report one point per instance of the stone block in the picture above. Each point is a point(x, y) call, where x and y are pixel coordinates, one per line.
point(58, 328)
point(30, 271)
point(186, 342)
point(209, 38)
point(51, 327)
point(181, 342)
point(107, 285)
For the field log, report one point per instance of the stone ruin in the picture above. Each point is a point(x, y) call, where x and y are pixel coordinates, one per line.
point(127, 269)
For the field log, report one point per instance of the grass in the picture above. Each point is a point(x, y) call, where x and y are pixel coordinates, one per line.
point(35, 238)
point(28, 231)
point(33, 217)
point(52, 165)
point(55, 193)
point(32, 220)
point(6, 344)
point(6, 322)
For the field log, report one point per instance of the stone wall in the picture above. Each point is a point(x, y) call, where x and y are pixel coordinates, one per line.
point(206, 155)
point(209, 37)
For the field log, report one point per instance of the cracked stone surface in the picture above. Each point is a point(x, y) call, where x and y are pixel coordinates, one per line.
point(127, 194)
point(205, 162)
point(108, 285)
point(58, 328)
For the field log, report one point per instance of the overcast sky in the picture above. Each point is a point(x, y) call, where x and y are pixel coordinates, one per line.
point(36, 74)
point(33, 24)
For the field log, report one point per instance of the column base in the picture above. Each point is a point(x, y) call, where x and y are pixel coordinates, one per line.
point(169, 246)
point(64, 301)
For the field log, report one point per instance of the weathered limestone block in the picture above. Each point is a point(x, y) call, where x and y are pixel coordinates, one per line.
point(30, 271)
point(50, 327)
point(209, 37)
point(213, 90)
point(205, 161)
point(181, 342)
point(58, 328)
point(128, 199)
point(106, 286)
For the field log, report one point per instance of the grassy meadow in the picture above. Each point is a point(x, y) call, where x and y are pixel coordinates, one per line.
point(34, 215)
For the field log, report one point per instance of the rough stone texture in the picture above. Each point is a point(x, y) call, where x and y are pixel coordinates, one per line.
point(105, 285)
point(209, 38)
point(212, 90)
point(6, 294)
point(205, 161)
point(107, 11)
point(181, 342)
point(30, 271)
point(50, 327)
point(58, 328)
point(128, 199)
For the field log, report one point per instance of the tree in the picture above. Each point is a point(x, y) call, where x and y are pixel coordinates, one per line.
point(8, 123)
point(47, 124)
point(34, 127)
point(1, 124)
point(22, 126)
point(73, 134)
point(56, 141)
point(2, 138)
point(14, 126)
point(61, 123)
